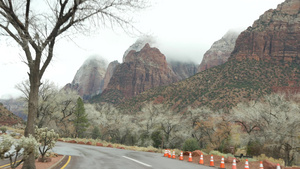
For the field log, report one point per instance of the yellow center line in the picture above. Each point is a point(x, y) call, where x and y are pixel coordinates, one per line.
point(7, 164)
point(66, 163)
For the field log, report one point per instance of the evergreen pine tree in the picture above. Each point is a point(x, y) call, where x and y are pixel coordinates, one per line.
point(80, 122)
point(96, 133)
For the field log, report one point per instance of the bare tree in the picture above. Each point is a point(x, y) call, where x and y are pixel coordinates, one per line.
point(36, 26)
point(275, 121)
point(55, 106)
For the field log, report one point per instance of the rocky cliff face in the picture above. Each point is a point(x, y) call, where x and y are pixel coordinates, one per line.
point(8, 118)
point(183, 70)
point(265, 60)
point(109, 72)
point(140, 71)
point(220, 51)
point(139, 44)
point(274, 37)
point(89, 79)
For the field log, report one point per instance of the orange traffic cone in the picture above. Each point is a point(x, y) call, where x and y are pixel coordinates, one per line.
point(190, 157)
point(211, 164)
point(169, 155)
point(278, 166)
point(173, 154)
point(246, 164)
point(222, 165)
point(201, 159)
point(166, 153)
point(234, 164)
point(261, 165)
point(181, 156)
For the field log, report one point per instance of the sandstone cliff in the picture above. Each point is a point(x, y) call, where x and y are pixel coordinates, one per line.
point(109, 72)
point(89, 79)
point(183, 69)
point(139, 44)
point(274, 37)
point(140, 71)
point(8, 118)
point(265, 60)
point(220, 51)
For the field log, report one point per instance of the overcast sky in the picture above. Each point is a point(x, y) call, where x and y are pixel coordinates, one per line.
point(184, 30)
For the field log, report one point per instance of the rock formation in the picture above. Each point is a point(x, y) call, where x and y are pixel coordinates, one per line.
point(274, 37)
point(140, 71)
point(89, 79)
point(265, 59)
point(139, 44)
point(183, 70)
point(220, 51)
point(109, 72)
point(8, 118)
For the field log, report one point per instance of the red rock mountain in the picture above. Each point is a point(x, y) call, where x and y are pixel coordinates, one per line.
point(7, 118)
point(182, 69)
point(140, 71)
point(274, 37)
point(109, 72)
point(139, 44)
point(89, 79)
point(265, 59)
point(220, 51)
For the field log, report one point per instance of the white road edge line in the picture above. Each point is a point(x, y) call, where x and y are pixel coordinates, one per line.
point(137, 161)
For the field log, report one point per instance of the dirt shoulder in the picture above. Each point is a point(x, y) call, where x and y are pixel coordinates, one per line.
point(55, 161)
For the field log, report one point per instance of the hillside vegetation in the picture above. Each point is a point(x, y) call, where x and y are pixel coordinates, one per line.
point(222, 87)
point(7, 118)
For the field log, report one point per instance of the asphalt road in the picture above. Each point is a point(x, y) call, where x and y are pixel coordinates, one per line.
point(93, 157)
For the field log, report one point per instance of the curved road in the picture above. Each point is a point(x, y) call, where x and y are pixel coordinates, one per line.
point(85, 156)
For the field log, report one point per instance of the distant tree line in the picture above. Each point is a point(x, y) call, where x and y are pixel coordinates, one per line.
point(269, 125)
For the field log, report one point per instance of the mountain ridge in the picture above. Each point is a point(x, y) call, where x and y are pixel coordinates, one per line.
point(265, 59)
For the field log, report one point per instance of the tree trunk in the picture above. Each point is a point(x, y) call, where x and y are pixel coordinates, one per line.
point(34, 79)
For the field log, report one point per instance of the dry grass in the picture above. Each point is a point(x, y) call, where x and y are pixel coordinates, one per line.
point(114, 145)
point(263, 157)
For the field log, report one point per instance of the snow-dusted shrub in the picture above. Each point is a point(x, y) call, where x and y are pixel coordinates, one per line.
point(14, 149)
point(47, 139)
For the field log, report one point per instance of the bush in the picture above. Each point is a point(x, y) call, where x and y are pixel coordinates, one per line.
point(13, 134)
point(190, 144)
point(254, 148)
point(263, 157)
point(47, 139)
point(156, 138)
point(17, 149)
point(218, 153)
point(3, 129)
point(96, 133)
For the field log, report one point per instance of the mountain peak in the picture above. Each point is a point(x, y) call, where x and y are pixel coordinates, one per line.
point(147, 46)
point(274, 37)
point(140, 44)
point(140, 71)
point(88, 80)
point(220, 51)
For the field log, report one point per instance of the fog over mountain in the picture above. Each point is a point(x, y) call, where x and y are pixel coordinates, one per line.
point(182, 31)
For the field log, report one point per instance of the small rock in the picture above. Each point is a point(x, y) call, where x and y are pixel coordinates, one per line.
point(269, 165)
point(99, 144)
point(196, 153)
point(72, 141)
point(81, 142)
point(230, 160)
